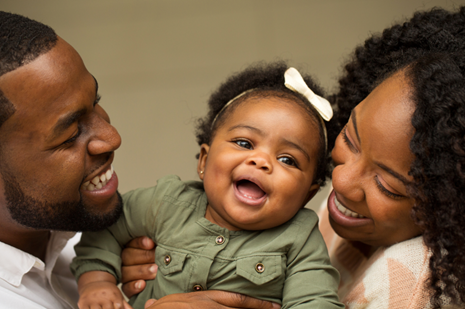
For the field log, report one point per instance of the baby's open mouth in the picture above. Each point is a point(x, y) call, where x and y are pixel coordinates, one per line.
point(249, 189)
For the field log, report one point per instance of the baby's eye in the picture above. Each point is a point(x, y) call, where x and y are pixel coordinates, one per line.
point(244, 144)
point(287, 160)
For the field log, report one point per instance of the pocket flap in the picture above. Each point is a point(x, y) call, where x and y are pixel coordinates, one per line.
point(259, 269)
point(169, 261)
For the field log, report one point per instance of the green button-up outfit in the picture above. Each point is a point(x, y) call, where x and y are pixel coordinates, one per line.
point(288, 264)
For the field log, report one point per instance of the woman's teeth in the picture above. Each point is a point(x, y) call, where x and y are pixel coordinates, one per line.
point(345, 211)
point(98, 182)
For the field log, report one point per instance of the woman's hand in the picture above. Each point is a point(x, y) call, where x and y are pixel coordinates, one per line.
point(138, 265)
point(209, 300)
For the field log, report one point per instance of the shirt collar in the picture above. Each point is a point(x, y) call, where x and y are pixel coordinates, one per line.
point(15, 263)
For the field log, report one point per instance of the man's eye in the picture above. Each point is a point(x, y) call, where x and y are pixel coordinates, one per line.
point(287, 160)
point(72, 139)
point(244, 144)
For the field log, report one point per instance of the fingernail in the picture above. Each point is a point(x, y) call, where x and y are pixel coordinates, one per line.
point(145, 241)
point(138, 285)
point(153, 269)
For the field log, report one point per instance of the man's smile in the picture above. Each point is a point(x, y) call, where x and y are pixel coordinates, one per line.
point(98, 181)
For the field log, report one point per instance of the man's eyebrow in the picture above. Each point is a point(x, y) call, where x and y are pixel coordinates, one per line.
point(97, 96)
point(65, 122)
point(395, 174)
point(354, 122)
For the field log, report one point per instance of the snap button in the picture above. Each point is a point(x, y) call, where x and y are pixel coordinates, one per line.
point(219, 240)
point(197, 287)
point(167, 259)
point(259, 268)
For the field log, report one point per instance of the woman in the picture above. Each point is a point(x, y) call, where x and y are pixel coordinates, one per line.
point(399, 176)
point(426, 56)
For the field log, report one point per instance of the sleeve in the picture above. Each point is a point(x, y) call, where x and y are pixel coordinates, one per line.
point(311, 281)
point(102, 250)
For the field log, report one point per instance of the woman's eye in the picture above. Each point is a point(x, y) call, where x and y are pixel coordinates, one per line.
point(386, 191)
point(347, 140)
point(287, 161)
point(244, 144)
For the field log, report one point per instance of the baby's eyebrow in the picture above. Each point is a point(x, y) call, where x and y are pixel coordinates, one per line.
point(296, 146)
point(242, 126)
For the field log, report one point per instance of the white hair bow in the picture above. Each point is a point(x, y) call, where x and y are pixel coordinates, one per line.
point(294, 81)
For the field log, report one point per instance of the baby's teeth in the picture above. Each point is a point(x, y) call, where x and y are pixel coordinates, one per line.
point(96, 180)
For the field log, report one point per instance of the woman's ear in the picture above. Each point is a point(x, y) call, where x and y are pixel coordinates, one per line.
point(204, 148)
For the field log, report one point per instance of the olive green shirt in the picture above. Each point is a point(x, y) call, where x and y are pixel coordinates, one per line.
point(288, 264)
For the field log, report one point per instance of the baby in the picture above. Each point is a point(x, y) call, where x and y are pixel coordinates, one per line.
point(263, 156)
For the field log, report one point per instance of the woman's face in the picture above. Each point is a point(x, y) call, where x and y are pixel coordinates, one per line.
point(369, 202)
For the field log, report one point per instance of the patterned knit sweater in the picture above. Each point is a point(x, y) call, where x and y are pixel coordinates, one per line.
point(392, 277)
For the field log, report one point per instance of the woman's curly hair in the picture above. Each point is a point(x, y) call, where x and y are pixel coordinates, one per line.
point(430, 51)
point(266, 80)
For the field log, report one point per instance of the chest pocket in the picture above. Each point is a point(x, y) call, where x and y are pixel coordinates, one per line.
point(260, 269)
point(168, 261)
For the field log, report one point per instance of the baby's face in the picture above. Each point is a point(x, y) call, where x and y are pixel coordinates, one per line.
point(259, 169)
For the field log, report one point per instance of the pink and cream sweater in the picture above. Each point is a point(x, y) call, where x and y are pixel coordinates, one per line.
point(392, 277)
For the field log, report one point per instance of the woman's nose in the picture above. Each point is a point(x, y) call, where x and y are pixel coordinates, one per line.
point(348, 174)
point(348, 180)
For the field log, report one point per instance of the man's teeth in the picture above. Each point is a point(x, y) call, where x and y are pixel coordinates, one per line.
point(98, 182)
point(345, 211)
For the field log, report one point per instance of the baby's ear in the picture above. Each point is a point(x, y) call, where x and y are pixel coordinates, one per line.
point(311, 193)
point(204, 148)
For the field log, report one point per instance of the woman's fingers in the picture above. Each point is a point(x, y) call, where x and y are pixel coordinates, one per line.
point(138, 265)
point(142, 242)
point(133, 287)
point(133, 278)
point(138, 272)
point(149, 303)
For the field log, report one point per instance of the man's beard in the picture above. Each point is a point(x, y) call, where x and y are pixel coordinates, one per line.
point(63, 216)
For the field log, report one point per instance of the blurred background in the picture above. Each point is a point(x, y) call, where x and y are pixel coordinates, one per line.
point(157, 61)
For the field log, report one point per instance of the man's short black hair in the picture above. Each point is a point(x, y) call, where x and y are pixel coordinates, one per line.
point(21, 41)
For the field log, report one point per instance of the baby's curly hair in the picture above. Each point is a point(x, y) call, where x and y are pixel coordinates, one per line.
point(430, 50)
point(265, 80)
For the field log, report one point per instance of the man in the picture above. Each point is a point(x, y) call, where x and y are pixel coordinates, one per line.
point(54, 138)
point(56, 150)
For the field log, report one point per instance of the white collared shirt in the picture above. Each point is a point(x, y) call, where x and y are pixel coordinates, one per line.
point(28, 283)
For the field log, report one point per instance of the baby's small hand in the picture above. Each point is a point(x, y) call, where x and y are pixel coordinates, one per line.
point(101, 294)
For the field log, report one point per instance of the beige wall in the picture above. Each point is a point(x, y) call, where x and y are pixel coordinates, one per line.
point(157, 61)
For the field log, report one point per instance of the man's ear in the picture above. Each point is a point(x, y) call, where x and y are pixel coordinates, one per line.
point(204, 148)
point(311, 193)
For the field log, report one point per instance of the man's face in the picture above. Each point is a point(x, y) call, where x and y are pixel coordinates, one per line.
point(57, 140)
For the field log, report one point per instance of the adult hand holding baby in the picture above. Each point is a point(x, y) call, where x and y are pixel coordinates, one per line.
point(213, 299)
